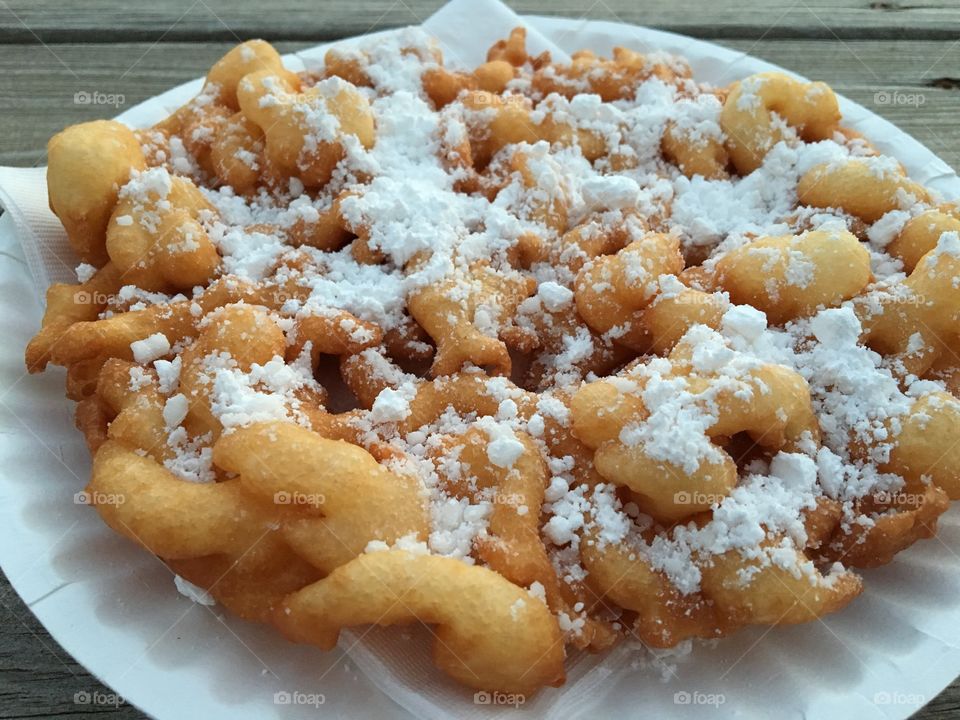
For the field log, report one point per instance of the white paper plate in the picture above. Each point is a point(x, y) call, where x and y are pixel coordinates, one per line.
point(115, 608)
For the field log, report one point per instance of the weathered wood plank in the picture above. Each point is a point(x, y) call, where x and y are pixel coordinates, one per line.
point(38, 84)
point(29, 21)
point(38, 679)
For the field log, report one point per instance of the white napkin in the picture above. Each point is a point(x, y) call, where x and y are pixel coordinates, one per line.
point(23, 194)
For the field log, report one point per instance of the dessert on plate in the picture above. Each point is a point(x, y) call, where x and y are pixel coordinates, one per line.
point(543, 356)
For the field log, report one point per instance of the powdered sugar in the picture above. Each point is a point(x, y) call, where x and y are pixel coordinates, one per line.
point(150, 348)
point(411, 213)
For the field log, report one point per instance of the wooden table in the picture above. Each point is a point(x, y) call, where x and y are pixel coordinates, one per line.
point(52, 51)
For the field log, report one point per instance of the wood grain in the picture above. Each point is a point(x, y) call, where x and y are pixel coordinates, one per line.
point(50, 50)
point(194, 20)
point(38, 83)
point(38, 679)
